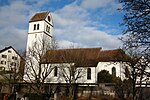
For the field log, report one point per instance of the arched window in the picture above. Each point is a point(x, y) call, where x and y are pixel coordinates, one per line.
point(114, 71)
point(34, 27)
point(38, 26)
point(89, 73)
point(55, 71)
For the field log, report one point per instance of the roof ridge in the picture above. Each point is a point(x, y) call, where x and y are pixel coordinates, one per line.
point(78, 48)
point(112, 50)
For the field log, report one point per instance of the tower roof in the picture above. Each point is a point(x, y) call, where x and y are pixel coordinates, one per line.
point(39, 16)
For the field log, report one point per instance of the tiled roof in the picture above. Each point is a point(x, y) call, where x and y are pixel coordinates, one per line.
point(112, 55)
point(39, 16)
point(84, 56)
point(79, 56)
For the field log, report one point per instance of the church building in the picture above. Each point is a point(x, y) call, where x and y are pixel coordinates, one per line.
point(75, 65)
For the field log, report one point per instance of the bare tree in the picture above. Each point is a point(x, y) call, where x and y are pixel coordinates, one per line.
point(136, 74)
point(36, 72)
point(136, 41)
point(74, 68)
point(137, 22)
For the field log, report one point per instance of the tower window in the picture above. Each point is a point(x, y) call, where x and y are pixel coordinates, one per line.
point(49, 18)
point(55, 71)
point(89, 73)
point(48, 28)
point(114, 71)
point(38, 26)
point(34, 27)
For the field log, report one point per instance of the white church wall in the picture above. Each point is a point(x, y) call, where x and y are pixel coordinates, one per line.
point(93, 76)
point(51, 78)
point(60, 79)
point(108, 66)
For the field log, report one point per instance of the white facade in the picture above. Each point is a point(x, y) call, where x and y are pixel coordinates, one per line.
point(39, 30)
point(84, 79)
point(9, 60)
point(109, 67)
point(39, 38)
point(64, 69)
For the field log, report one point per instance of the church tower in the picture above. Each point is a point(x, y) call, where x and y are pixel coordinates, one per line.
point(40, 28)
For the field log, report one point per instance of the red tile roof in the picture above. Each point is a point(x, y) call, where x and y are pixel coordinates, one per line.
point(112, 55)
point(79, 56)
point(39, 16)
point(83, 56)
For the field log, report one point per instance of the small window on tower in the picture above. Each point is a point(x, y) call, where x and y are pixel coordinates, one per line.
point(38, 26)
point(49, 18)
point(48, 28)
point(34, 27)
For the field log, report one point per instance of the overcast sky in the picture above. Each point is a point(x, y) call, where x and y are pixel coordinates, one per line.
point(83, 23)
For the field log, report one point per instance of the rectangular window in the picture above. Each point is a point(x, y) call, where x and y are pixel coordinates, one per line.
point(3, 62)
point(14, 58)
point(4, 56)
point(13, 64)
